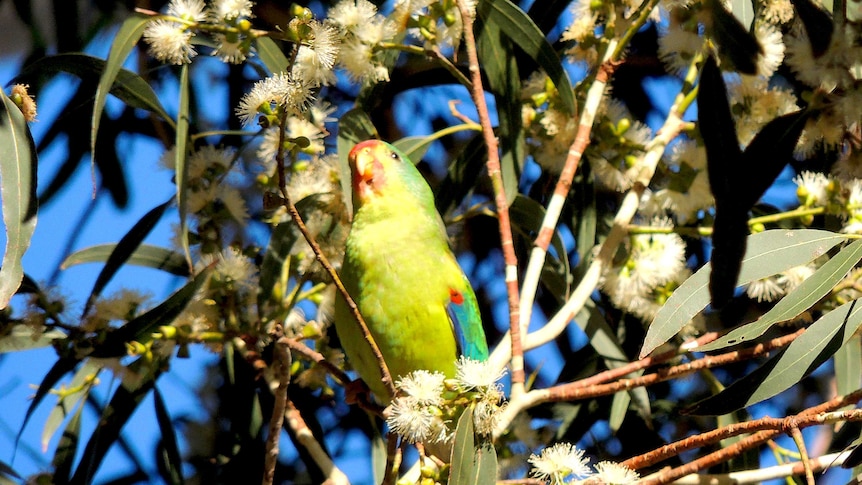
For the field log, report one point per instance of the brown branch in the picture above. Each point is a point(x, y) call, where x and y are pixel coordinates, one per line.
point(771, 427)
point(281, 369)
point(386, 377)
point(305, 438)
point(477, 92)
point(577, 391)
point(318, 358)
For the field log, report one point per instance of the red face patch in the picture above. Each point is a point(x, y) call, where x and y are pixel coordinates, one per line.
point(456, 297)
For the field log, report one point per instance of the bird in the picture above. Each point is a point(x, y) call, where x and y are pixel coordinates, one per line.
point(399, 269)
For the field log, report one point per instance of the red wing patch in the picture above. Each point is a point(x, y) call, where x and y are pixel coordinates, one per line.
point(456, 297)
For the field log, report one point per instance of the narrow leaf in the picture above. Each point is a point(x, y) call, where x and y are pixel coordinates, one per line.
point(145, 255)
point(848, 366)
point(818, 25)
point(767, 154)
point(172, 461)
point(181, 169)
point(735, 42)
point(124, 250)
point(524, 33)
point(123, 403)
point(61, 367)
point(67, 448)
point(20, 337)
point(619, 408)
point(496, 53)
point(89, 370)
point(717, 128)
point(474, 460)
point(124, 41)
point(271, 55)
point(768, 253)
point(128, 86)
point(802, 357)
point(18, 192)
point(800, 299)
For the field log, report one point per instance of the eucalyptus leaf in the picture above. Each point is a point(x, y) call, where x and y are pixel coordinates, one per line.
point(18, 193)
point(768, 253)
point(474, 460)
point(124, 249)
point(270, 53)
point(124, 41)
point(146, 255)
point(181, 169)
point(172, 460)
point(800, 299)
point(128, 86)
point(785, 369)
point(22, 337)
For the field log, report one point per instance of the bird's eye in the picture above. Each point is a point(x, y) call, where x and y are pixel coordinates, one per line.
point(394, 156)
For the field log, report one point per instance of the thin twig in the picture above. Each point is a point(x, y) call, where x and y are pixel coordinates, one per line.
point(386, 377)
point(761, 475)
point(477, 92)
point(318, 358)
point(281, 369)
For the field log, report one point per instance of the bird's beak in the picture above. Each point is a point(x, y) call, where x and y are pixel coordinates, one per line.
point(362, 159)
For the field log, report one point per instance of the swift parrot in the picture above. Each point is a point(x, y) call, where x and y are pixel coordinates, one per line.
point(400, 271)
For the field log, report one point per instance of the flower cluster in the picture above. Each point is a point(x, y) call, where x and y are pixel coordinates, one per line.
point(170, 36)
point(430, 403)
point(565, 463)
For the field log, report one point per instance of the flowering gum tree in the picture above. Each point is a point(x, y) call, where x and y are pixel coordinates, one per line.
point(645, 303)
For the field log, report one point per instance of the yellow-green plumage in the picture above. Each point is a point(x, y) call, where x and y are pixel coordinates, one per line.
point(405, 280)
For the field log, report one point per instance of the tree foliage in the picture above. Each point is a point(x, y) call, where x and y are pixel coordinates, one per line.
point(641, 256)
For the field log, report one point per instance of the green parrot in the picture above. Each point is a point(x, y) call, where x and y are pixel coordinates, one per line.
point(398, 268)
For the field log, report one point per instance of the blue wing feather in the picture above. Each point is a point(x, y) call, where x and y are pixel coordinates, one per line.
point(463, 321)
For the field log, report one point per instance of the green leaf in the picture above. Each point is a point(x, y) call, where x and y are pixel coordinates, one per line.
point(462, 175)
point(735, 43)
point(170, 455)
point(18, 164)
point(768, 253)
point(124, 41)
point(181, 169)
point(619, 407)
point(848, 366)
point(818, 25)
point(603, 339)
point(743, 10)
point(123, 251)
point(416, 146)
point(802, 357)
point(116, 414)
point(20, 337)
point(270, 53)
point(800, 299)
point(89, 370)
point(145, 255)
point(61, 367)
point(140, 328)
point(474, 460)
point(353, 127)
point(496, 55)
point(129, 87)
point(524, 33)
point(67, 448)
